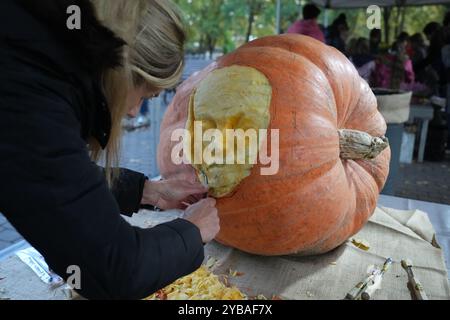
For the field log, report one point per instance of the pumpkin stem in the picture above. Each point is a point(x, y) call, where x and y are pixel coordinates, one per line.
point(356, 144)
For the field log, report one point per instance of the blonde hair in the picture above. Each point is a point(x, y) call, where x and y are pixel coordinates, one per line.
point(154, 56)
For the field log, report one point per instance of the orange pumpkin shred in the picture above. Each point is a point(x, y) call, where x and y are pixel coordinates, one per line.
point(325, 189)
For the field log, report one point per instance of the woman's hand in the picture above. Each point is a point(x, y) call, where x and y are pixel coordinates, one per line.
point(204, 215)
point(172, 194)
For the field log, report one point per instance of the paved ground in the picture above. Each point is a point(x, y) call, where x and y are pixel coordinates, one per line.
point(8, 235)
point(427, 182)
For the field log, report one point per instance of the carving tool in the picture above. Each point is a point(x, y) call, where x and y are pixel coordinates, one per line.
point(375, 284)
point(416, 286)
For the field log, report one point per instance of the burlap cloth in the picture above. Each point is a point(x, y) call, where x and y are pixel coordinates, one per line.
point(395, 107)
point(390, 233)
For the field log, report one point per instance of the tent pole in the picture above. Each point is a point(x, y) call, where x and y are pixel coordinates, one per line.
point(325, 14)
point(325, 18)
point(386, 14)
point(278, 22)
point(402, 21)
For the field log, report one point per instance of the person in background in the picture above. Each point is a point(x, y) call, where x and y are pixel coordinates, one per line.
point(394, 70)
point(308, 26)
point(430, 30)
point(425, 78)
point(338, 32)
point(446, 63)
point(446, 22)
point(418, 48)
point(360, 56)
point(432, 65)
point(351, 47)
point(402, 37)
point(375, 41)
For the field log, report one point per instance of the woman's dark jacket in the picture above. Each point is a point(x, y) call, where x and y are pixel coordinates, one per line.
point(50, 103)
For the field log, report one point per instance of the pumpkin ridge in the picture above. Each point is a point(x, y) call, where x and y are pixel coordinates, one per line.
point(331, 227)
point(292, 76)
point(330, 165)
point(323, 66)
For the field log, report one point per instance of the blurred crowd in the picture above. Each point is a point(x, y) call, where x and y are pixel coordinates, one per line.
point(419, 63)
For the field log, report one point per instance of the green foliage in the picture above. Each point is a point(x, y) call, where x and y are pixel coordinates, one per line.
point(415, 19)
point(226, 24)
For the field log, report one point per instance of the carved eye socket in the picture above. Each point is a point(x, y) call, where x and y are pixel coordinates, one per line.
point(209, 124)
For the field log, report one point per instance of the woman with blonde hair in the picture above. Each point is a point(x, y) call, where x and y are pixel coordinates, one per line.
point(63, 93)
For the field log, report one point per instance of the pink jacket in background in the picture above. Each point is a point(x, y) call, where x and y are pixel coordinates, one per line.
point(383, 74)
point(307, 28)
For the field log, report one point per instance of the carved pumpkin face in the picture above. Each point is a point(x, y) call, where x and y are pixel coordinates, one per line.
point(333, 161)
point(245, 95)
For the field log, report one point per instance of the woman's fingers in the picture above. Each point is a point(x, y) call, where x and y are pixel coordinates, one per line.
point(195, 188)
point(210, 202)
point(197, 197)
point(205, 216)
point(180, 193)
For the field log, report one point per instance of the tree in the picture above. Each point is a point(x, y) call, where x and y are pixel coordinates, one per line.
point(254, 8)
point(209, 24)
point(230, 23)
point(227, 24)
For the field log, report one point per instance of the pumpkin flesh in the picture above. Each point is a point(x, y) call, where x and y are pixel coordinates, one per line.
point(227, 99)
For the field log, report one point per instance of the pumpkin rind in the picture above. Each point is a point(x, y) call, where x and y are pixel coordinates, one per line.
point(317, 200)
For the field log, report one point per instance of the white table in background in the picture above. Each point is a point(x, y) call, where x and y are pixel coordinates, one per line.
point(423, 112)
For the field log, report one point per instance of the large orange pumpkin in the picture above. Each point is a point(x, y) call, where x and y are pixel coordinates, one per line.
point(333, 160)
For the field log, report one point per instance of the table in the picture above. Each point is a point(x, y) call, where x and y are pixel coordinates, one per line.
point(423, 112)
point(439, 215)
point(306, 281)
